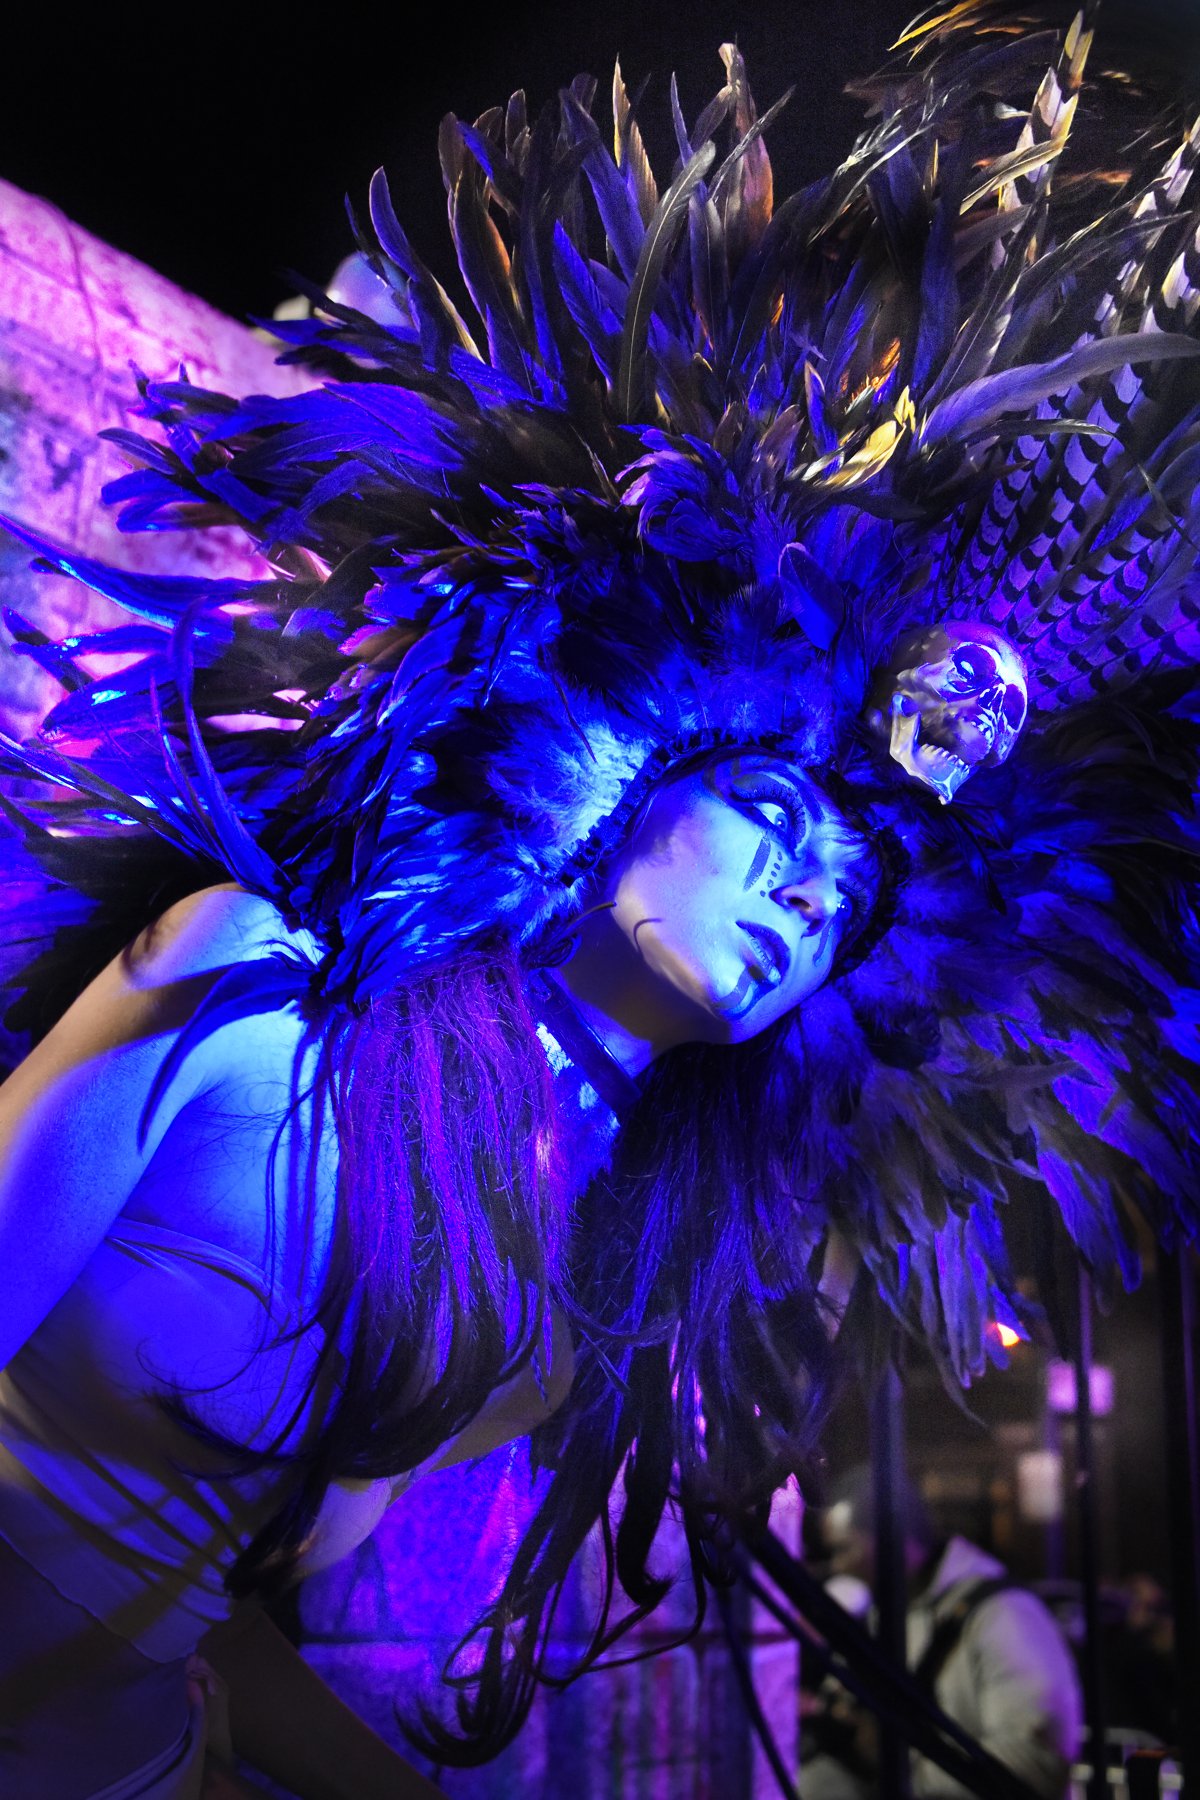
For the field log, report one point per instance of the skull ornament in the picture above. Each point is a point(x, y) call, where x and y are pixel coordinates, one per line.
point(951, 700)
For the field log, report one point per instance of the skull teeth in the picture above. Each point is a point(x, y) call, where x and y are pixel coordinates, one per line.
point(940, 769)
point(929, 762)
point(942, 759)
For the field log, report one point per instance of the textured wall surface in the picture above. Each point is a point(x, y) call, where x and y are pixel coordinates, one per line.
point(73, 314)
point(667, 1727)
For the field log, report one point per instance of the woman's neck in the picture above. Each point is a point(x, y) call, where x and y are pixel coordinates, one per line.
point(633, 1013)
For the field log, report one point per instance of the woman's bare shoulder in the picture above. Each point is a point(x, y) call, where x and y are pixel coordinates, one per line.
point(240, 1057)
point(83, 1116)
point(212, 929)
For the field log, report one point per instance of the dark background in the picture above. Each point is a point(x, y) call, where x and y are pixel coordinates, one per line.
point(217, 144)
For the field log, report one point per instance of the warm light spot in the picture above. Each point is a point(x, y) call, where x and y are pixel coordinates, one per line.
point(1003, 1335)
point(875, 377)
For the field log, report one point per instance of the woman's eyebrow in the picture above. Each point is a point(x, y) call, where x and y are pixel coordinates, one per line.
point(800, 783)
point(785, 771)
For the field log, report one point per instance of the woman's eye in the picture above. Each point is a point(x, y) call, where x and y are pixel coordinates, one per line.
point(773, 803)
point(776, 817)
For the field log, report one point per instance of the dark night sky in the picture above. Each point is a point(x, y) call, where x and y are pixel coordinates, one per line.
point(217, 145)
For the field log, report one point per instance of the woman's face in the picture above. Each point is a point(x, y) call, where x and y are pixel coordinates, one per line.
point(736, 887)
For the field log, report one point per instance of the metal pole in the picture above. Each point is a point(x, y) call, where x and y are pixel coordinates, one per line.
point(855, 1657)
point(1053, 1533)
point(891, 1574)
point(1180, 1401)
point(735, 1637)
point(1089, 1561)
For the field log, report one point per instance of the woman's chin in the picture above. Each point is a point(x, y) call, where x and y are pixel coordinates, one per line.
point(707, 1002)
point(697, 1015)
point(715, 1021)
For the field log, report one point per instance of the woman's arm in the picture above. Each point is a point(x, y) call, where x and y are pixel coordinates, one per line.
point(71, 1152)
point(71, 1155)
point(287, 1723)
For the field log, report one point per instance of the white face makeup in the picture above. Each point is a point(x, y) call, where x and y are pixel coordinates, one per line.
point(735, 889)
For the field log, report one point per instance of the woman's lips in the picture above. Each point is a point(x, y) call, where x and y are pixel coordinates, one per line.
point(773, 953)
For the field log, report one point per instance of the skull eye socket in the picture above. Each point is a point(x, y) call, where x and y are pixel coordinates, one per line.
point(976, 668)
point(1014, 708)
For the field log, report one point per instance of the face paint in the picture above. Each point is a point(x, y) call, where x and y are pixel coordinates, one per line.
point(736, 889)
point(752, 987)
point(765, 790)
point(758, 863)
point(770, 792)
point(789, 807)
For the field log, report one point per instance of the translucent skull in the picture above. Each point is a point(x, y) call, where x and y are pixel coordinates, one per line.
point(952, 699)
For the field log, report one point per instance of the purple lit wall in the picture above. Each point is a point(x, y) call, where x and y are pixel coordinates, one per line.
point(670, 1727)
point(74, 313)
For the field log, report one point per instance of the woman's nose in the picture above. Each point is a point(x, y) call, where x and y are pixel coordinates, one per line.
point(815, 899)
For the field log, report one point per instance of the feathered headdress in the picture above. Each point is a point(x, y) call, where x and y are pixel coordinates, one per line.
point(702, 471)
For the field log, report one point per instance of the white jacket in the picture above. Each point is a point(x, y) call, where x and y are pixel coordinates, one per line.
point(1008, 1679)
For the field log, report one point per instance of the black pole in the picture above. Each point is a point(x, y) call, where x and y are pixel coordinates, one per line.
point(1089, 1560)
point(743, 1670)
point(891, 1574)
point(1180, 1401)
point(1053, 1533)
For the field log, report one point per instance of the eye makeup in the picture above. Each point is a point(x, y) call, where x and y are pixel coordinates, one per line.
point(794, 823)
point(756, 783)
point(767, 791)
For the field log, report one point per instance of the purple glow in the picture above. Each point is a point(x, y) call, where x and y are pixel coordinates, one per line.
point(1061, 1394)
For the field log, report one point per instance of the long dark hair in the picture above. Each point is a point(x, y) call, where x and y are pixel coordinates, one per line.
point(446, 1248)
point(688, 1274)
point(702, 1367)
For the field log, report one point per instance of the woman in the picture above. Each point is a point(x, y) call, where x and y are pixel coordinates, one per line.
point(607, 881)
point(140, 1251)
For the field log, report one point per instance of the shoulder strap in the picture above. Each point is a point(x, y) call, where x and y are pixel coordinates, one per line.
point(949, 1627)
